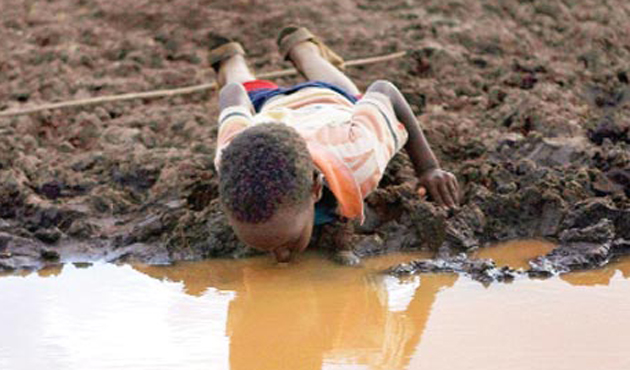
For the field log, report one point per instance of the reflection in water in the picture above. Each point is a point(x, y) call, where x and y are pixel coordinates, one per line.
point(53, 270)
point(334, 314)
point(599, 277)
point(253, 314)
point(515, 254)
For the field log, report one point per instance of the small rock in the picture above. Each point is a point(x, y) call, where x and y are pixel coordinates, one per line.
point(81, 228)
point(51, 189)
point(608, 128)
point(601, 232)
point(48, 236)
point(507, 188)
point(82, 265)
point(575, 256)
point(50, 255)
point(346, 258)
point(525, 166)
point(604, 186)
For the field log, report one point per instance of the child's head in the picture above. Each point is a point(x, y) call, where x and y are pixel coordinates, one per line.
point(268, 189)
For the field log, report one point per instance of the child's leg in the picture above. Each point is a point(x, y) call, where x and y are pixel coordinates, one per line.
point(234, 69)
point(308, 60)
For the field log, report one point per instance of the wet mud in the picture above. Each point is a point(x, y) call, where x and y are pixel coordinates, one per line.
point(525, 101)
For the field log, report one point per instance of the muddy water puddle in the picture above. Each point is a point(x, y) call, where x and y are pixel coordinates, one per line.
point(253, 314)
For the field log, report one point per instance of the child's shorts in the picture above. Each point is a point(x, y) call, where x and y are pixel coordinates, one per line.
point(260, 91)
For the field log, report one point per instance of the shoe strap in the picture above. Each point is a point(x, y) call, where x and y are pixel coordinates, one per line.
point(289, 41)
point(224, 52)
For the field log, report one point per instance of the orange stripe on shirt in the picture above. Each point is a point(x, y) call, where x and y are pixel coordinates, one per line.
point(359, 160)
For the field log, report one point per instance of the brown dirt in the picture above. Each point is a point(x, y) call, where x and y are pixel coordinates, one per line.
point(524, 100)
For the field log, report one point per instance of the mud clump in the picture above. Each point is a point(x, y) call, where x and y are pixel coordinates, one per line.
point(482, 270)
point(527, 104)
point(586, 247)
point(204, 235)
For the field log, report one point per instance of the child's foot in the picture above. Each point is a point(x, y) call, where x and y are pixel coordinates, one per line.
point(222, 49)
point(292, 36)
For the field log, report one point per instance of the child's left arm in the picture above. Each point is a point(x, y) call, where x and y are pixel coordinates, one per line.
point(442, 185)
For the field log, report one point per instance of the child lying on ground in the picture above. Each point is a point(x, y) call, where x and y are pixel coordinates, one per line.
point(291, 158)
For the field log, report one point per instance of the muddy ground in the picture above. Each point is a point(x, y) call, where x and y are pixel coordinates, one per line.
point(526, 101)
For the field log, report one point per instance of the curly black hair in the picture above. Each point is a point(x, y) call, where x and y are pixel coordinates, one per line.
point(264, 167)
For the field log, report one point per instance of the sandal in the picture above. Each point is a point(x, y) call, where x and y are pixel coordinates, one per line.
point(222, 48)
point(293, 35)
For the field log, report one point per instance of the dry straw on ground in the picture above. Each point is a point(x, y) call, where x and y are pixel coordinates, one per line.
point(182, 90)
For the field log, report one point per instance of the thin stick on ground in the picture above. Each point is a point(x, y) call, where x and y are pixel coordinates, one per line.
point(182, 90)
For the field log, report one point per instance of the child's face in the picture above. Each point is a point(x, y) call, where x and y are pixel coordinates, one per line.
point(287, 233)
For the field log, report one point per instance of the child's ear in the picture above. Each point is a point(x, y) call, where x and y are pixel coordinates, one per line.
point(318, 186)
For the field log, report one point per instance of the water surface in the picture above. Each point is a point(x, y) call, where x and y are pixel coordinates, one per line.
point(254, 314)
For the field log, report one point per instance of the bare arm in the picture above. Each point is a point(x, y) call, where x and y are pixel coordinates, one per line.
point(442, 185)
point(417, 146)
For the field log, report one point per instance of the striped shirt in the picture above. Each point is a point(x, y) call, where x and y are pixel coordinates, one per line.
point(351, 144)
